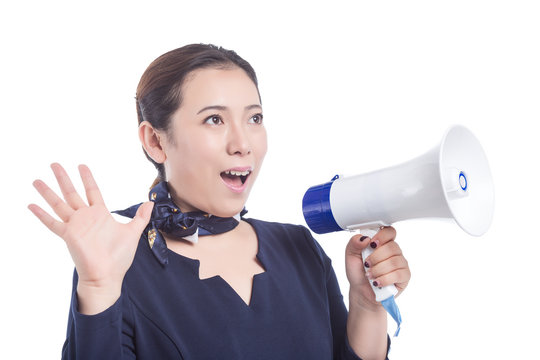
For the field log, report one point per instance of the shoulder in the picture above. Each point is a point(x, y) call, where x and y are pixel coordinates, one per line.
point(281, 232)
point(290, 237)
point(277, 228)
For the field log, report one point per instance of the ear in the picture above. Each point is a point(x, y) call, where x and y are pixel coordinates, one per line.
point(151, 142)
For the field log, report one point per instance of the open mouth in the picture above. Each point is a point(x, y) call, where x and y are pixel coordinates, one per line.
point(235, 178)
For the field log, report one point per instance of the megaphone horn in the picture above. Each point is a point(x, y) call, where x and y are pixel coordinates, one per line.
point(452, 180)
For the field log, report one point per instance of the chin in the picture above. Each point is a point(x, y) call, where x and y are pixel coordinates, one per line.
point(224, 207)
point(229, 212)
point(227, 206)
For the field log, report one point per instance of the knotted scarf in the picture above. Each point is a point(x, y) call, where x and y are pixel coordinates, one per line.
point(167, 217)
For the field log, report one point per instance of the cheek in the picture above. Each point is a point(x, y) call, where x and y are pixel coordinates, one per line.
point(196, 159)
point(261, 145)
point(196, 147)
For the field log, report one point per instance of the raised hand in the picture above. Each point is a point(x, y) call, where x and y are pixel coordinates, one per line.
point(101, 247)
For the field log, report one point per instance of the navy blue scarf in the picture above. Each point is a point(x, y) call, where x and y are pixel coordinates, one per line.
point(167, 217)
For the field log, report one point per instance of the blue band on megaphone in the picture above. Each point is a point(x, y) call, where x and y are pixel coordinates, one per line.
point(317, 210)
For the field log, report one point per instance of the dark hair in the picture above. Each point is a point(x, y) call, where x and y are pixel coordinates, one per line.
point(159, 93)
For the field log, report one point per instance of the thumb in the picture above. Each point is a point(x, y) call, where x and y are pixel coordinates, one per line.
point(142, 217)
point(357, 244)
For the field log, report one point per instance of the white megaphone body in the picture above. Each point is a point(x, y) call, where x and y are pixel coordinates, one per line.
point(452, 181)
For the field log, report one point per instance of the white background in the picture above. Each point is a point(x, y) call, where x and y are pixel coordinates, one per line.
point(347, 87)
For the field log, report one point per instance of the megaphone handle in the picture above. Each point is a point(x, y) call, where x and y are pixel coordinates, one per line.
point(384, 292)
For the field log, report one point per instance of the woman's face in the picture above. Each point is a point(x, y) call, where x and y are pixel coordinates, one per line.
point(218, 142)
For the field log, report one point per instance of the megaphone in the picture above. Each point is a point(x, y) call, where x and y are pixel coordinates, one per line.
point(451, 181)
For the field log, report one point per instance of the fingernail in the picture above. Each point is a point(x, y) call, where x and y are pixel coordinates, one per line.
point(368, 274)
point(375, 283)
point(374, 244)
point(364, 238)
point(366, 263)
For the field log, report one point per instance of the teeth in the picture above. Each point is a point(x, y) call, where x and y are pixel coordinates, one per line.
point(238, 173)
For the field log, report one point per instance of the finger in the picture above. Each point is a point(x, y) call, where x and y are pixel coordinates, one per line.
point(357, 243)
point(68, 190)
point(142, 217)
point(58, 205)
point(92, 191)
point(400, 278)
point(51, 223)
point(383, 236)
point(387, 266)
point(383, 253)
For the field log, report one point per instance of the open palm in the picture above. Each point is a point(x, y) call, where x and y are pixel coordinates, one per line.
point(101, 247)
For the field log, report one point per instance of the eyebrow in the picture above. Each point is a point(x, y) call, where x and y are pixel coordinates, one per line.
point(222, 108)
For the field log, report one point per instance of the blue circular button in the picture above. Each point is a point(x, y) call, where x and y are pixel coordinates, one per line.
point(462, 181)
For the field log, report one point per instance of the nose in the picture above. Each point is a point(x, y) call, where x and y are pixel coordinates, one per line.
point(238, 140)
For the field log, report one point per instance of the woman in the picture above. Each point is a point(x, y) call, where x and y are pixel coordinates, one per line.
point(189, 277)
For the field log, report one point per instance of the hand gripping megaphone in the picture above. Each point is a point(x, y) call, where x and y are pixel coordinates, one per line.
point(451, 181)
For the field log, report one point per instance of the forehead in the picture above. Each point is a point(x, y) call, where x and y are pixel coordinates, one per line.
point(223, 86)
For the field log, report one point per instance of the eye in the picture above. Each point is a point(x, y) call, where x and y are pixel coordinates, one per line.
point(256, 119)
point(213, 120)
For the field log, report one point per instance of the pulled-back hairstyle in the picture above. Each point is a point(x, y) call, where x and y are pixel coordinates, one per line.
point(159, 93)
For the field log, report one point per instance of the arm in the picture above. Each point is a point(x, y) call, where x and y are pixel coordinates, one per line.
point(102, 250)
point(106, 335)
point(366, 322)
point(367, 331)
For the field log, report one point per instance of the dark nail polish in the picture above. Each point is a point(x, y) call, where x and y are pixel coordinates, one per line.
point(373, 244)
point(375, 283)
point(366, 264)
point(363, 238)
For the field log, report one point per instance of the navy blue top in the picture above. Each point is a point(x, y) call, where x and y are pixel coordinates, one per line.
point(166, 312)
